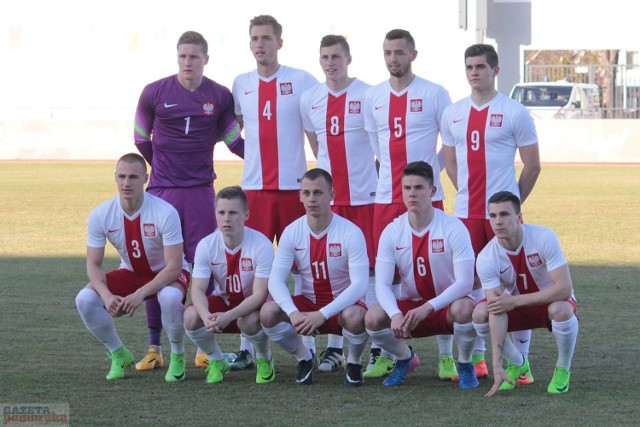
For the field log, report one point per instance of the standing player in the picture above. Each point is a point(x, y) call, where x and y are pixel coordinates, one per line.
point(178, 121)
point(145, 230)
point(433, 255)
point(333, 118)
point(526, 280)
point(331, 254)
point(267, 106)
point(403, 116)
point(239, 259)
point(480, 137)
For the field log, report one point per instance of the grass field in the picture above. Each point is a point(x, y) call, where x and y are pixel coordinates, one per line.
point(48, 357)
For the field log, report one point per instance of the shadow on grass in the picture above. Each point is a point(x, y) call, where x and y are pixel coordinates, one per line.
point(48, 356)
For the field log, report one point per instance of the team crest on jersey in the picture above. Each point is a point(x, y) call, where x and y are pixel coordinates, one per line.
point(246, 264)
point(534, 260)
point(208, 108)
point(149, 230)
point(355, 107)
point(437, 246)
point(335, 250)
point(496, 120)
point(286, 88)
point(415, 105)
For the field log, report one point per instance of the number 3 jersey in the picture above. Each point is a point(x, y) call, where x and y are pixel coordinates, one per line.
point(233, 270)
point(139, 239)
point(525, 270)
point(333, 265)
point(425, 260)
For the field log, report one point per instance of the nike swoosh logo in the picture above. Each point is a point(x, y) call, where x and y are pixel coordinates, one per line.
point(399, 248)
point(457, 120)
point(562, 389)
point(114, 230)
point(377, 108)
point(299, 249)
point(247, 92)
point(523, 341)
point(269, 377)
point(169, 105)
point(315, 107)
point(502, 271)
point(216, 263)
point(179, 377)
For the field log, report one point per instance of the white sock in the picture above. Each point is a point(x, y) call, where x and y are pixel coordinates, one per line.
point(480, 347)
point(206, 342)
point(566, 334)
point(245, 344)
point(335, 341)
point(445, 345)
point(260, 342)
point(285, 335)
point(97, 319)
point(522, 341)
point(310, 342)
point(356, 345)
point(466, 337)
point(172, 310)
point(385, 339)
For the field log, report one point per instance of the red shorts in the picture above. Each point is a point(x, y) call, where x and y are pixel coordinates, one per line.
point(270, 211)
point(435, 324)
point(124, 282)
point(534, 317)
point(331, 326)
point(362, 216)
point(480, 231)
point(217, 305)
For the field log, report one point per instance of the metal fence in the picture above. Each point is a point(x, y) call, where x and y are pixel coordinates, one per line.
point(619, 84)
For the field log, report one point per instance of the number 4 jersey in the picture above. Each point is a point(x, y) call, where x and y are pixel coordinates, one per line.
point(139, 239)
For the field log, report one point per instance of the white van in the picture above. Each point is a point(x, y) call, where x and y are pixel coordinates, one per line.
point(559, 100)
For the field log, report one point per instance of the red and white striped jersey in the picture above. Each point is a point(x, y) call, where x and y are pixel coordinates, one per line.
point(525, 270)
point(407, 124)
point(274, 157)
point(233, 270)
point(486, 139)
point(344, 149)
point(139, 239)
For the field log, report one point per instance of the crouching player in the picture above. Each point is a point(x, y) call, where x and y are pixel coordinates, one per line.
point(239, 258)
point(433, 255)
point(331, 254)
point(526, 280)
point(145, 230)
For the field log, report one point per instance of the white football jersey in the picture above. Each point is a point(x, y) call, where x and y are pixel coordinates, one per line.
point(274, 157)
point(139, 239)
point(486, 139)
point(233, 270)
point(525, 270)
point(407, 124)
point(344, 150)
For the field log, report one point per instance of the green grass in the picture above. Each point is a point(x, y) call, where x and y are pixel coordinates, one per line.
point(48, 356)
